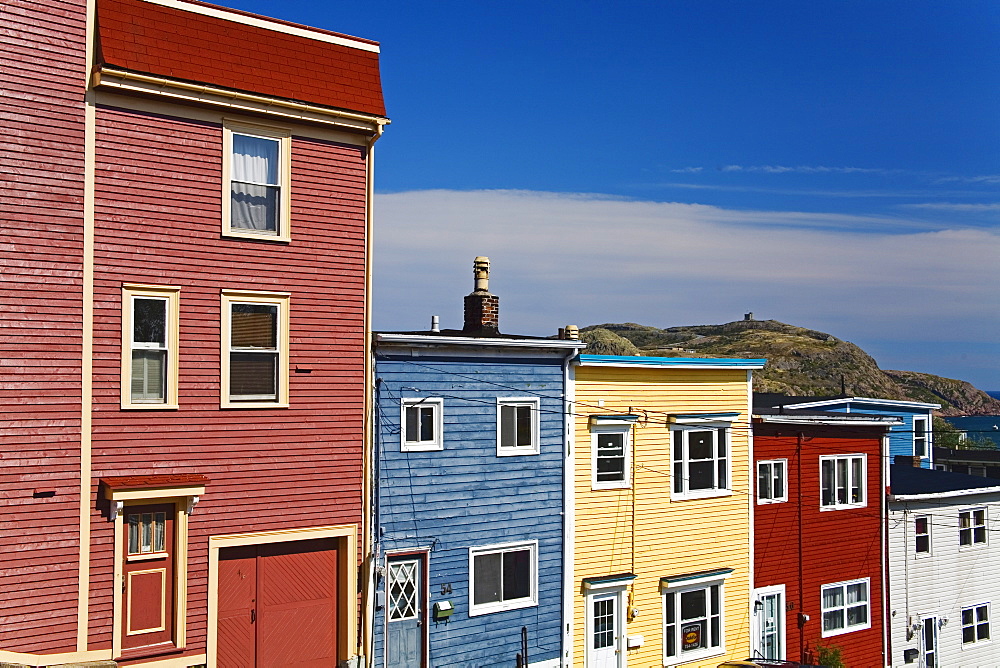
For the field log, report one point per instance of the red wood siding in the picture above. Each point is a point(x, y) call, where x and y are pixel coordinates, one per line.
point(41, 157)
point(158, 221)
point(832, 546)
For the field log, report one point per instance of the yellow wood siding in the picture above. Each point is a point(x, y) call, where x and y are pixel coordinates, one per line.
point(640, 530)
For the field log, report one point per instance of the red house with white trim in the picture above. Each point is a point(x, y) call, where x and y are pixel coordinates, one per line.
point(819, 534)
point(185, 318)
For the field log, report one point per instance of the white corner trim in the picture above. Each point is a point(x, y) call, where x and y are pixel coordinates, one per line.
point(262, 22)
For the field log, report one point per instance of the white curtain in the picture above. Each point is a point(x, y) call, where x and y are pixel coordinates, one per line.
point(255, 189)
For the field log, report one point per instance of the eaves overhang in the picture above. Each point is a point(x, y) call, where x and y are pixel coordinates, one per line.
point(431, 340)
point(975, 491)
point(625, 361)
point(863, 400)
point(828, 421)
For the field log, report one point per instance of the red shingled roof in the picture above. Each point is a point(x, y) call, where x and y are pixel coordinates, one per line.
point(154, 481)
point(162, 41)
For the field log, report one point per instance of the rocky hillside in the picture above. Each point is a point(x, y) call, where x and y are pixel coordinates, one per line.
point(800, 361)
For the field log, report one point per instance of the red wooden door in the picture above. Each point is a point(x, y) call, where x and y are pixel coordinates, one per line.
point(148, 585)
point(278, 605)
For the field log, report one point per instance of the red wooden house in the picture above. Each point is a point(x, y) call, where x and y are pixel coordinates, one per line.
point(185, 324)
point(819, 535)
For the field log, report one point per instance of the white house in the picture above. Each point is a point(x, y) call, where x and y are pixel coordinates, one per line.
point(944, 568)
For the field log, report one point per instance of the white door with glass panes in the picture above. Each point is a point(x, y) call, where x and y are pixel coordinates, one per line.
point(605, 631)
point(929, 642)
point(404, 643)
point(768, 617)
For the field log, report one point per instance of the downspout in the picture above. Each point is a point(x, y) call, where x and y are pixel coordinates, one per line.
point(569, 504)
point(368, 524)
point(886, 614)
point(798, 484)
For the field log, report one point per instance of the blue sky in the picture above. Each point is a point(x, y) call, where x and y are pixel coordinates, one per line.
point(832, 165)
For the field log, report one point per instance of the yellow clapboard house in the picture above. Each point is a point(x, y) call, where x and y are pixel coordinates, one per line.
point(661, 514)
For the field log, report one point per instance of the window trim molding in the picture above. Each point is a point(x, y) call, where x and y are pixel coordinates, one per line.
point(989, 621)
point(284, 137)
point(283, 301)
point(678, 586)
point(846, 629)
point(784, 497)
point(171, 294)
point(927, 432)
point(678, 427)
point(972, 527)
point(536, 409)
point(930, 536)
point(624, 428)
point(437, 403)
point(503, 606)
point(619, 591)
point(863, 487)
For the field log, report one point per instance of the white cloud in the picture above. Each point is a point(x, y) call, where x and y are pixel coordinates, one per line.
point(953, 206)
point(798, 169)
point(586, 259)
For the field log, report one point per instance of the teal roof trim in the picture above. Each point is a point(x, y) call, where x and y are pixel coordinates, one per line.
point(705, 416)
point(608, 579)
point(700, 575)
point(674, 361)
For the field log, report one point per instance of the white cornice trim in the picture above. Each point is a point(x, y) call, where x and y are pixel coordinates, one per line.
point(262, 22)
point(944, 495)
point(119, 80)
point(425, 339)
point(805, 419)
point(863, 400)
point(639, 365)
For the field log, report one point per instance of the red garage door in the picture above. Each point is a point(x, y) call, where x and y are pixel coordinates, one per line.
point(278, 605)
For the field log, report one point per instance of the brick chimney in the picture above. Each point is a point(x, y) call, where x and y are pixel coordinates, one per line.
point(482, 309)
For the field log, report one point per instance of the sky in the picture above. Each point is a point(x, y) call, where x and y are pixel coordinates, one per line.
point(830, 164)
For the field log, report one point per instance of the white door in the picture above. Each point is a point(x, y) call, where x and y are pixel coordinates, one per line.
point(404, 643)
point(604, 631)
point(929, 642)
point(769, 623)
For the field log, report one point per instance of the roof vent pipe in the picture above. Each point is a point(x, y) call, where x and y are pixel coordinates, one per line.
point(435, 324)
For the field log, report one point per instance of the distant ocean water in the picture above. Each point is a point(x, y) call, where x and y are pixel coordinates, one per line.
point(980, 425)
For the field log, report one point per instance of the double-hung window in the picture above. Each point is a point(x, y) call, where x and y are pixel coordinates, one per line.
point(503, 577)
point(922, 534)
point(611, 451)
point(149, 346)
point(517, 426)
point(972, 527)
point(920, 437)
point(772, 481)
point(255, 349)
point(693, 627)
point(422, 424)
point(700, 461)
point(975, 624)
point(846, 607)
point(257, 182)
point(842, 481)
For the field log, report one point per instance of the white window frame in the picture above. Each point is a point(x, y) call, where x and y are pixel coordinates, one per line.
point(771, 463)
point(513, 604)
point(678, 589)
point(929, 534)
point(171, 296)
point(437, 442)
point(974, 544)
point(681, 432)
point(625, 429)
point(847, 628)
point(512, 451)
point(863, 487)
point(977, 642)
point(925, 437)
point(283, 137)
point(283, 301)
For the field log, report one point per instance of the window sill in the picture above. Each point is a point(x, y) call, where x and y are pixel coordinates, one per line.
point(763, 502)
point(434, 447)
point(279, 238)
point(519, 452)
point(697, 656)
point(849, 506)
point(600, 486)
point(700, 494)
point(150, 407)
point(254, 404)
point(502, 607)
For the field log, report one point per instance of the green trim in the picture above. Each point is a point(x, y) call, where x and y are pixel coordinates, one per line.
point(673, 579)
point(609, 579)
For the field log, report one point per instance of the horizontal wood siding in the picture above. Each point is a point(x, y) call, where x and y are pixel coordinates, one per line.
point(829, 546)
point(42, 159)
point(466, 496)
point(158, 222)
point(641, 530)
point(946, 581)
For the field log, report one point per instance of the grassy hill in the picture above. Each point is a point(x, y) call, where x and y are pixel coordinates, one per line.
point(801, 362)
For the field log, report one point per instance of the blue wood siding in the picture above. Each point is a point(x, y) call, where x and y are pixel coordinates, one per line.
point(900, 436)
point(465, 496)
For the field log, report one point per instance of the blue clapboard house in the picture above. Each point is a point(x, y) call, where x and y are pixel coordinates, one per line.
point(913, 437)
point(470, 453)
